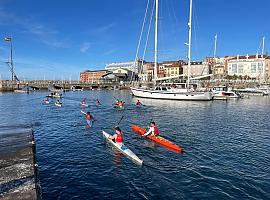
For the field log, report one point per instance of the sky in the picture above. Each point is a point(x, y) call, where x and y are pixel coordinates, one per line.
point(58, 39)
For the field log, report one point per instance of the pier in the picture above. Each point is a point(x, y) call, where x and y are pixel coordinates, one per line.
point(18, 167)
point(7, 85)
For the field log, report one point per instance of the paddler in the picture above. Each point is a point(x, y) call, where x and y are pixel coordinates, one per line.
point(153, 130)
point(46, 100)
point(83, 101)
point(97, 102)
point(89, 119)
point(118, 136)
point(121, 104)
point(116, 103)
point(138, 103)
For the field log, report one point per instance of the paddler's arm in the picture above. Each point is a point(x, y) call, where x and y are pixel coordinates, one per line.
point(112, 137)
point(148, 132)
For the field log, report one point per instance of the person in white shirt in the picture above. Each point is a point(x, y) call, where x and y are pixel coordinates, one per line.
point(153, 130)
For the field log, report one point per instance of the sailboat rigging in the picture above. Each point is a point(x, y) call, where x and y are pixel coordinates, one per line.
point(164, 92)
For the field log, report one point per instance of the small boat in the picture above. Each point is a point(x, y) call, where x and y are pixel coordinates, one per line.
point(54, 95)
point(84, 104)
point(123, 149)
point(158, 139)
point(119, 107)
point(58, 104)
point(46, 102)
point(252, 91)
point(224, 93)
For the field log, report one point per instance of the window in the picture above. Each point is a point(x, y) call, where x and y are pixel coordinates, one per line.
point(241, 68)
point(253, 68)
point(260, 67)
point(234, 68)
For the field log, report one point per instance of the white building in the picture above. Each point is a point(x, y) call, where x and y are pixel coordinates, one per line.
point(130, 65)
point(252, 66)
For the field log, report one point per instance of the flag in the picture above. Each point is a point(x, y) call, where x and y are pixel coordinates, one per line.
point(7, 39)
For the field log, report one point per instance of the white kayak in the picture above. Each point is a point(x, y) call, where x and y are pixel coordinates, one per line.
point(84, 104)
point(58, 104)
point(124, 149)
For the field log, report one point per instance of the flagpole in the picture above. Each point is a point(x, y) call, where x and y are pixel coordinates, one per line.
point(11, 61)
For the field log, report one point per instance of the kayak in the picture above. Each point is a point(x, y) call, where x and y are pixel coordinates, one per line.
point(58, 104)
point(123, 149)
point(84, 105)
point(119, 107)
point(158, 139)
point(88, 122)
point(45, 102)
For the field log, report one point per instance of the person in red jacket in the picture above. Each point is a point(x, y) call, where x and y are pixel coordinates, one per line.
point(138, 104)
point(153, 130)
point(89, 119)
point(97, 102)
point(118, 136)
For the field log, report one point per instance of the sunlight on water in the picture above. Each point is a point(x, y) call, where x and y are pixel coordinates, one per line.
point(226, 147)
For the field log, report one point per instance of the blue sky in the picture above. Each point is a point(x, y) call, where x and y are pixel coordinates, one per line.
point(59, 39)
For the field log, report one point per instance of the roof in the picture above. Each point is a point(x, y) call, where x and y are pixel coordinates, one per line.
point(250, 57)
point(101, 70)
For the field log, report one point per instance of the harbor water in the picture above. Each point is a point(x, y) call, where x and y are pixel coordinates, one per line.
point(227, 147)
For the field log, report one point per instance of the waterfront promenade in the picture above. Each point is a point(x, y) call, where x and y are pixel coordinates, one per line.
point(18, 168)
point(7, 85)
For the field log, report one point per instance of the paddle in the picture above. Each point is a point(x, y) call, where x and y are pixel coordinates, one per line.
point(120, 120)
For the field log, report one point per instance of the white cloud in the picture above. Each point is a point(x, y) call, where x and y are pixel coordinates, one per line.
point(85, 47)
point(28, 25)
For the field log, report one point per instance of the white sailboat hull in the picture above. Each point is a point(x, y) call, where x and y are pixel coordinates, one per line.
point(188, 96)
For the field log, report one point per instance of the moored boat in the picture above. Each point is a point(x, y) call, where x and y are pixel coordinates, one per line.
point(224, 93)
point(158, 139)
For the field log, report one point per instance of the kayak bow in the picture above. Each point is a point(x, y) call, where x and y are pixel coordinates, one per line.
point(123, 149)
point(158, 139)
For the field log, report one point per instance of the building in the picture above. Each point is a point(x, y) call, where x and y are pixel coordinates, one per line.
point(135, 67)
point(94, 76)
point(254, 66)
point(118, 75)
point(216, 66)
point(196, 69)
point(148, 71)
point(172, 68)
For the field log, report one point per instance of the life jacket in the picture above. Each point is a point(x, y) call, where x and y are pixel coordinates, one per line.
point(156, 130)
point(119, 137)
point(88, 117)
point(138, 103)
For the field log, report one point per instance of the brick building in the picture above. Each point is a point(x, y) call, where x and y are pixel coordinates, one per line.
point(94, 76)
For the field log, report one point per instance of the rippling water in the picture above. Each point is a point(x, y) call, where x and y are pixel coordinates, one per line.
point(227, 147)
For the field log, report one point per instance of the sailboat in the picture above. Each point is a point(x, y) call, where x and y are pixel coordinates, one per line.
point(164, 92)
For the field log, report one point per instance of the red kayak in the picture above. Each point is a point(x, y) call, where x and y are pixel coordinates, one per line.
point(158, 139)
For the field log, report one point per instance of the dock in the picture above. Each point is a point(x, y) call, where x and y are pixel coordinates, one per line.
point(18, 167)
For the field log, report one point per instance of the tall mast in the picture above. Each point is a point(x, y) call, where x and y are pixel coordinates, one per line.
point(189, 41)
point(215, 50)
point(156, 39)
point(263, 46)
point(11, 61)
point(263, 59)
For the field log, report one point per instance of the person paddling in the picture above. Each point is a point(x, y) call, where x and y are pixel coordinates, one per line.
point(83, 101)
point(138, 103)
point(116, 103)
point(46, 100)
point(97, 102)
point(153, 130)
point(118, 136)
point(89, 119)
point(121, 104)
